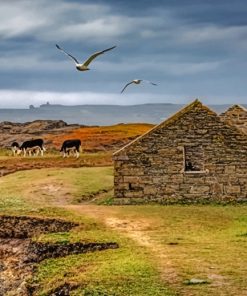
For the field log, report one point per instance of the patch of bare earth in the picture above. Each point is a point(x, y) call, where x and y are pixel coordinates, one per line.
point(19, 254)
point(17, 251)
point(14, 273)
point(50, 192)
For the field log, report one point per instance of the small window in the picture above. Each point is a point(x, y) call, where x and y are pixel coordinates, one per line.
point(193, 158)
point(131, 186)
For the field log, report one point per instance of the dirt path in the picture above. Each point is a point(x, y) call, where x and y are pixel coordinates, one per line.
point(139, 231)
point(136, 230)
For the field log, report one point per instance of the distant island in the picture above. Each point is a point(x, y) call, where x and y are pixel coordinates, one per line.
point(98, 114)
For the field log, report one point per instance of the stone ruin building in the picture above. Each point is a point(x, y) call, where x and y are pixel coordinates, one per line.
point(236, 115)
point(193, 156)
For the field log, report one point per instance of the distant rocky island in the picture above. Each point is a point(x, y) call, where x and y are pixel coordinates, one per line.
point(98, 114)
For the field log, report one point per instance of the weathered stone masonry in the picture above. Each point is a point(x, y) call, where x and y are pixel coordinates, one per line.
point(152, 167)
point(237, 116)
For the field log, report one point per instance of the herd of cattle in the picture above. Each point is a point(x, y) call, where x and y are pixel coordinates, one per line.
point(36, 147)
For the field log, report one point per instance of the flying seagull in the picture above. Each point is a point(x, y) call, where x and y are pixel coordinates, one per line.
point(137, 81)
point(84, 66)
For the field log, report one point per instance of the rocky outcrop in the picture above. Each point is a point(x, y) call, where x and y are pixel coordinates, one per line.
point(20, 132)
point(31, 127)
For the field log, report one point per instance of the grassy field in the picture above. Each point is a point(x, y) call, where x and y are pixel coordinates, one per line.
point(161, 247)
point(10, 164)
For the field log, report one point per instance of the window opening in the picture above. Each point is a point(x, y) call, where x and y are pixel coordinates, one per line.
point(193, 158)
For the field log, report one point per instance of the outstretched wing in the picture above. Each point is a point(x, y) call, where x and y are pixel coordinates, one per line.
point(126, 86)
point(149, 82)
point(69, 55)
point(93, 56)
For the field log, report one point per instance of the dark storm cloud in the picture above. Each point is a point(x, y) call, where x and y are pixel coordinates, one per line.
point(191, 48)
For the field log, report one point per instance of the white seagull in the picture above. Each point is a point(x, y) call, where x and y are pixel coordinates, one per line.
point(84, 66)
point(137, 81)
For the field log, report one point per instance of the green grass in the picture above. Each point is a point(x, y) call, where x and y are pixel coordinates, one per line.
point(49, 154)
point(206, 242)
point(30, 190)
point(123, 271)
point(128, 270)
point(5, 152)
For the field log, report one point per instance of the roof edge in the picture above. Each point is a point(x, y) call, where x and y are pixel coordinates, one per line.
point(170, 119)
point(240, 106)
point(234, 106)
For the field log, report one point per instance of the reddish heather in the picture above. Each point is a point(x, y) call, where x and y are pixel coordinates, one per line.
point(103, 138)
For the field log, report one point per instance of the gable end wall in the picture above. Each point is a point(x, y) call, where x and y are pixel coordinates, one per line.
point(152, 168)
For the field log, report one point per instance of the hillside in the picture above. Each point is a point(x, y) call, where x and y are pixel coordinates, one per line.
point(94, 139)
point(54, 132)
point(105, 138)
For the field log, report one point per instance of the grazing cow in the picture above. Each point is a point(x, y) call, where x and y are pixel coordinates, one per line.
point(71, 151)
point(71, 145)
point(34, 150)
point(15, 147)
point(32, 145)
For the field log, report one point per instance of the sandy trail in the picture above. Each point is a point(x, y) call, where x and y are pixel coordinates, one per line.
point(139, 231)
point(136, 230)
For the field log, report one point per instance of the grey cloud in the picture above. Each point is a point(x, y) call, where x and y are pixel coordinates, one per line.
point(212, 33)
point(190, 48)
point(46, 20)
point(22, 99)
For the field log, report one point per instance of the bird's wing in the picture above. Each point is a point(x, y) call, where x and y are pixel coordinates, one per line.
point(93, 56)
point(73, 58)
point(149, 82)
point(126, 86)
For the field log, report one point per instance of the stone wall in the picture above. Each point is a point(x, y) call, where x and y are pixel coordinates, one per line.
point(237, 116)
point(152, 168)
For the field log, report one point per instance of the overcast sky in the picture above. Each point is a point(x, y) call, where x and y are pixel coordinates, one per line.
point(190, 48)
